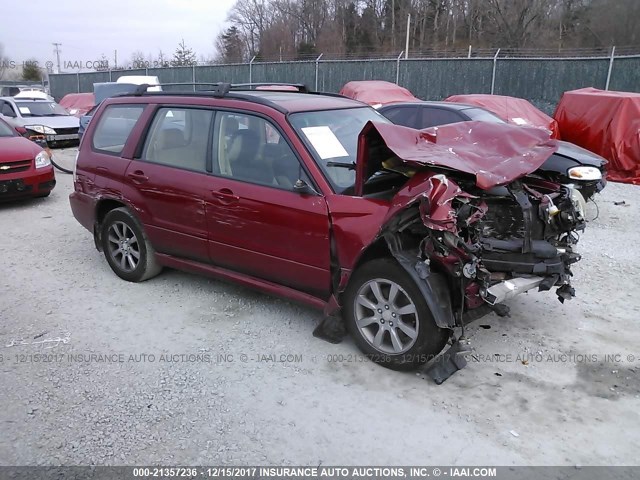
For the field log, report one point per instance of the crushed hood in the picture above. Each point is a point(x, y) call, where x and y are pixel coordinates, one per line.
point(495, 154)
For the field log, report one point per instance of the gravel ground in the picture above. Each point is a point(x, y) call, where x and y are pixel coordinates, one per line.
point(190, 370)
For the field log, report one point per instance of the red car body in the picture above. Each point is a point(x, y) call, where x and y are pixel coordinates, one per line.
point(307, 243)
point(19, 177)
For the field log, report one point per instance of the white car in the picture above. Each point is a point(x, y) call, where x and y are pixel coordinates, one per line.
point(36, 117)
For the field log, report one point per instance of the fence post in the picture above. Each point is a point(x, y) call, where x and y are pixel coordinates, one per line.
point(250, 68)
point(613, 52)
point(493, 75)
point(469, 55)
point(317, 64)
point(398, 67)
point(110, 76)
point(193, 76)
point(78, 81)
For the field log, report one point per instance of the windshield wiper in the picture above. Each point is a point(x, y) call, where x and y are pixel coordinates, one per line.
point(350, 165)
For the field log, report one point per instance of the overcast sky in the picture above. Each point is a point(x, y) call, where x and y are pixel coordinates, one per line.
point(88, 29)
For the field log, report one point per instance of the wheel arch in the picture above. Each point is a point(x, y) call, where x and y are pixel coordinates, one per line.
point(103, 206)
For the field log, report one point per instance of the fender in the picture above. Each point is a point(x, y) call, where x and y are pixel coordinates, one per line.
point(433, 286)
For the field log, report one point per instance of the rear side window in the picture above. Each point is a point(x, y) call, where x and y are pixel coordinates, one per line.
point(433, 117)
point(179, 137)
point(406, 116)
point(114, 127)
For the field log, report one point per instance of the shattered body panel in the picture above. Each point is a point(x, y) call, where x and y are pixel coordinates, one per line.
point(495, 154)
point(470, 237)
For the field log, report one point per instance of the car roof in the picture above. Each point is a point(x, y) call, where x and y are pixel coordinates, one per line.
point(304, 102)
point(283, 101)
point(25, 99)
point(448, 105)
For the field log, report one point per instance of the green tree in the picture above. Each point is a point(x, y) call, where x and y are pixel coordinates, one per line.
point(30, 71)
point(230, 46)
point(184, 56)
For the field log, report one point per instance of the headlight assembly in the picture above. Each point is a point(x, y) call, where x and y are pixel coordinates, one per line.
point(41, 129)
point(584, 173)
point(43, 160)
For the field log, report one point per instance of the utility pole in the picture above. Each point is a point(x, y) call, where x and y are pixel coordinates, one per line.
point(115, 59)
point(56, 48)
point(406, 48)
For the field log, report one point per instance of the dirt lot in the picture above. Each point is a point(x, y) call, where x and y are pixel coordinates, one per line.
point(189, 370)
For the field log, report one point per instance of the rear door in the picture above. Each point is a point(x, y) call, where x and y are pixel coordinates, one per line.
point(257, 223)
point(168, 182)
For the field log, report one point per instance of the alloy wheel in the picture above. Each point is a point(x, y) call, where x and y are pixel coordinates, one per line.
point(386, 316)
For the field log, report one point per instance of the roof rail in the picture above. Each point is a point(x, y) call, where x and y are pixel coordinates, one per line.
point(221, 88)
point(301, 87)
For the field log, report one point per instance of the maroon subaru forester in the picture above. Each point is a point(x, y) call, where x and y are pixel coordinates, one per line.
point(406, 233)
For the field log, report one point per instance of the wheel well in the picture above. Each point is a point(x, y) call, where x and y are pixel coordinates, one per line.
point(377, 249)
point(104, 207)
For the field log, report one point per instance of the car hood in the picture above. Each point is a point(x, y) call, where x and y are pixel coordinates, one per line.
point(496, 154)
point(580, 155)
point(66, 121)
point(13, 149)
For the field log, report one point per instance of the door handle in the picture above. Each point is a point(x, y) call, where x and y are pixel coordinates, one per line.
point(225, 196)
point(138, 176)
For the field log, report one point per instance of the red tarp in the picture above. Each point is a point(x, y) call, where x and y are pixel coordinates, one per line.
point(516, 111)
point(469, 147)
point(78, 103)
point(607, 123)
point(377, 92)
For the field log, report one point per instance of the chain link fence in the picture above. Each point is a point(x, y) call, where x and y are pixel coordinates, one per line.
point(541, 80)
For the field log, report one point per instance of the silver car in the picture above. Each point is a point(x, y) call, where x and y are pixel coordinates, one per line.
point(36, 117)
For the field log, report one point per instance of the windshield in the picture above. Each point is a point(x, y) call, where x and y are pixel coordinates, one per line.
point(40, 109)
point(481, 115)
point(6, 130)
point(332, 138)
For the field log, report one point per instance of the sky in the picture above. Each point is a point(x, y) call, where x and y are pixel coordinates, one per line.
point(88, 29)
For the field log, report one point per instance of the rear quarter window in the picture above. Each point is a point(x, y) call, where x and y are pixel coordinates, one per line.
point(114, 127)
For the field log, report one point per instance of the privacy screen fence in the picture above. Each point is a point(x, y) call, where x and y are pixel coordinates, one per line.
point(540, 80)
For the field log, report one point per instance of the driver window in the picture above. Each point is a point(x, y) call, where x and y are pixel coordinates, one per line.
point(251, 149)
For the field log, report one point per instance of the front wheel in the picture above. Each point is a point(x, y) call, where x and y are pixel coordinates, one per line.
point(127, 248)
point(388, 317)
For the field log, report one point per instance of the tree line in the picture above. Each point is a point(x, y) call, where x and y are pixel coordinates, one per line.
point(300, 29)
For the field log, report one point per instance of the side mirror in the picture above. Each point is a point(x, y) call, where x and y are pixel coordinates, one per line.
point(303, 187)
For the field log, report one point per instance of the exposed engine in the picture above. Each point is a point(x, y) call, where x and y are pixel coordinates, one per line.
point(495, 244)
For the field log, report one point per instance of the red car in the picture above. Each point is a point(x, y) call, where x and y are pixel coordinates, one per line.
point(320, 199)
point(25, 168)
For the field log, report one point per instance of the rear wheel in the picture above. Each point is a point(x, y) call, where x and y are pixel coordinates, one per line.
point(127, 248)
point(388, 317)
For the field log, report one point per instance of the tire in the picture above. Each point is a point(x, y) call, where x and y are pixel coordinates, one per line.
point(43, 195)
point(127, 248)
point(417, 337)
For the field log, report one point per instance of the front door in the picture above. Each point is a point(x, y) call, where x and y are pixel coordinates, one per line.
point(257, 223)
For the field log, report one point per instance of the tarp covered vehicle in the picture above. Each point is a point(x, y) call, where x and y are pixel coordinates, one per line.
point(78, 104)
point(607, 123)
point(377, 92)
point(516, 111)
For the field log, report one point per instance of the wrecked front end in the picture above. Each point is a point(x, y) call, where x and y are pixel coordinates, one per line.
point(491, 244)
point(472, 212)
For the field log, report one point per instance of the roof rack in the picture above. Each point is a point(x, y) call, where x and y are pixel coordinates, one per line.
point(220, 88)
